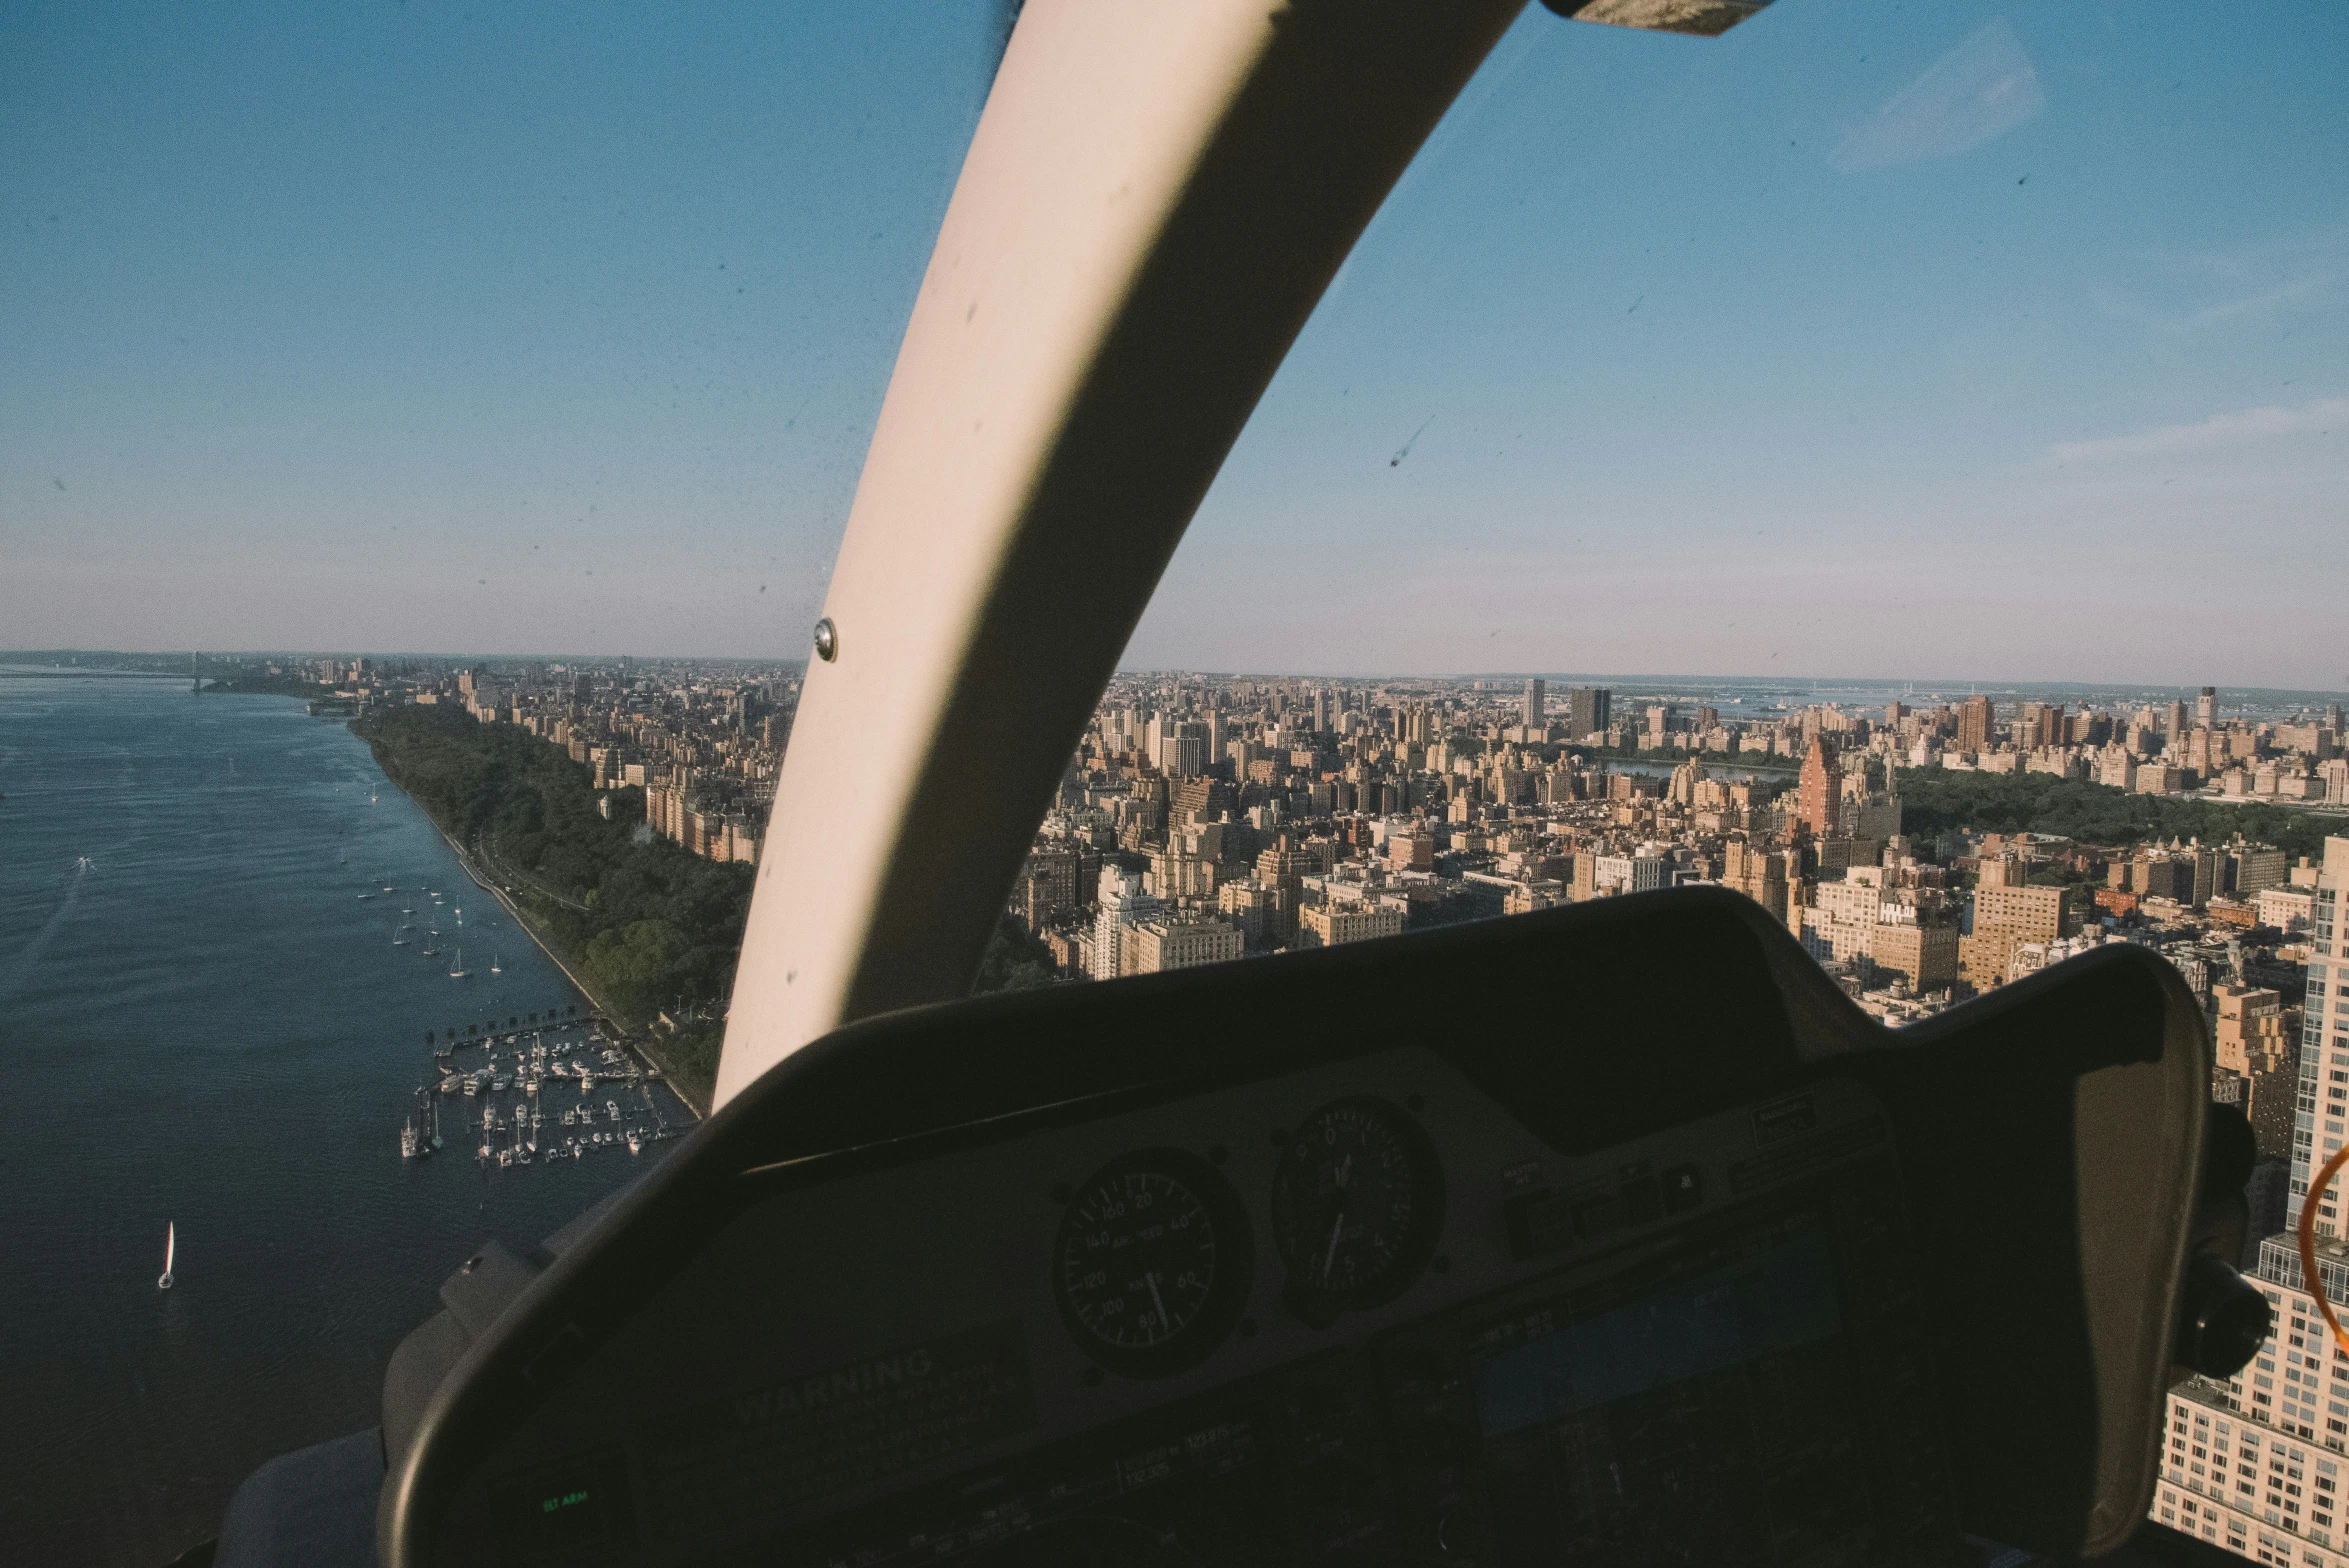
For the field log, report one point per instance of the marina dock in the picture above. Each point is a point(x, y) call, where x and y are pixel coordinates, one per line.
point(532, 1088)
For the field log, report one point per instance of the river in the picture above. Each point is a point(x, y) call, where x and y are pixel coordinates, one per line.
point(204, 1024)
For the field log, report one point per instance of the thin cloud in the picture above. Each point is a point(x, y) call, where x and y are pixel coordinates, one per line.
point(2220, 432)
point(2283, 295)
point(1976, 93)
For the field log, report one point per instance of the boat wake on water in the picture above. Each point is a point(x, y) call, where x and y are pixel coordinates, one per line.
point(12, 979)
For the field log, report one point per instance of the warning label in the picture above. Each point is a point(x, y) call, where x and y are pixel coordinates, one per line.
point(810, 1437)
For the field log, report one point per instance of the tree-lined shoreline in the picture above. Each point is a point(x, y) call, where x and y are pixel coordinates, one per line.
point(648, 927)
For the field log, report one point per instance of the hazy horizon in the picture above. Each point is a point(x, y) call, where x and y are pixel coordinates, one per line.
point(1558, 679)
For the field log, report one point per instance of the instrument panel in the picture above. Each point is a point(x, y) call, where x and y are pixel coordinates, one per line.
point(1353, 1314)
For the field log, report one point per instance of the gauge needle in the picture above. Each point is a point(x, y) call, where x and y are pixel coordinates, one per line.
point(1151, 1279)
point(1337, 1228)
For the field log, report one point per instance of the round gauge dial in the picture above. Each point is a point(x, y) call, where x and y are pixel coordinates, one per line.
point(1153, 1263)
point(1356, 1204)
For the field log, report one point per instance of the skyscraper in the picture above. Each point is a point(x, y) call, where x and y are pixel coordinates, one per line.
point(2264, 1420)
point(1817, 794)
point(1536, 705)
point(1123, 903)
point(2051, 725)
point(1974, 724)
point(2206, 708)
point(1587, 709)
point(2323, 1012)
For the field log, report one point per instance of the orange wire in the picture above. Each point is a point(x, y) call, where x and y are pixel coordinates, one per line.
point(2308, 1274)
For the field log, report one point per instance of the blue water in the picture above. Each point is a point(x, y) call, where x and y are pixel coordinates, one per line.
point(206, 1025)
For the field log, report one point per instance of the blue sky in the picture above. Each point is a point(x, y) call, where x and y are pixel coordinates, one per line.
point(1949, 341)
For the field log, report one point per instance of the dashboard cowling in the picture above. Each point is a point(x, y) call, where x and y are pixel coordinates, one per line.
point(2048, 1140)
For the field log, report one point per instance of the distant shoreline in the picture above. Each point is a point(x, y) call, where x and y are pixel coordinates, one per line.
point(89, 675)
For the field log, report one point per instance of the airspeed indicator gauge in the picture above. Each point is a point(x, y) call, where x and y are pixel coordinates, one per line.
point(1356, 1205)
point(1153, 1263)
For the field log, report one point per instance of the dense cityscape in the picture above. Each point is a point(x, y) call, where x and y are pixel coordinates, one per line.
point(1206, 818)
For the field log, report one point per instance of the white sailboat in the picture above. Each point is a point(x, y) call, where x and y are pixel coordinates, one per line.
point(457, 969)
point(493, 965)
point(170, 1247)
point(400, 936)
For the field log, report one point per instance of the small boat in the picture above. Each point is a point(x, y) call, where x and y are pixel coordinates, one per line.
point(493, 965)
point(612, 1109)
point(457, 969)
point(170, 1250)
point(363, 897)
point(400, 936)
point(407, 1140)
point(635, 1142)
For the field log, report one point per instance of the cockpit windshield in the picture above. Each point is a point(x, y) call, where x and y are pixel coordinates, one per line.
point(1886, 461)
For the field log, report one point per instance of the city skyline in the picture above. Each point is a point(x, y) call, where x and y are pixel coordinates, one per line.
point(379, 328)
point(1942, 686)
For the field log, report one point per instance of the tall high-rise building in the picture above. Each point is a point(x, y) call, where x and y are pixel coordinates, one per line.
point(2206, 709)
point(1123, 904)
point(1536, 705)
point(2051, 725)
point(1587, 709)
point(1819, 791)
point(1973, 724)
point(2266, 1428)
point(2324, 1029)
